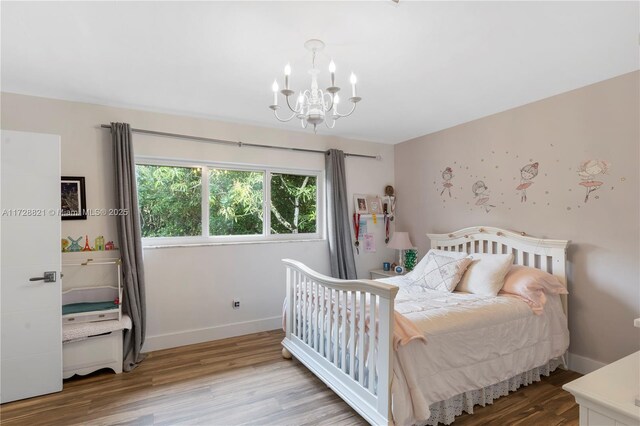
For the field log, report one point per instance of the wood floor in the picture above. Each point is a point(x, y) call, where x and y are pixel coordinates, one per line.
point(244, 380)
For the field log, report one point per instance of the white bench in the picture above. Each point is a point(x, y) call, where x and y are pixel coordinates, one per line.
point(91, 346)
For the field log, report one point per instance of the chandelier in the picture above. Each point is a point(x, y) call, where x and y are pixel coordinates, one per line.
point(314, 106)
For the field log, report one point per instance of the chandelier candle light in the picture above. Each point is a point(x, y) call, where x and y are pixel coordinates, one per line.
point(314, 106)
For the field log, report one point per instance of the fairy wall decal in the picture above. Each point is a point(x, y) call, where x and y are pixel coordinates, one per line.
point(588, 170)
point(447, 175)
point(527, 173)
point(481, 194)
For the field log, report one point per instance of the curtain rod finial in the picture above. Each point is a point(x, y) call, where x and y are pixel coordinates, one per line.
point(379, 157)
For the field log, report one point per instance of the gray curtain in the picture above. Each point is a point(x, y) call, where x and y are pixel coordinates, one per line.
point(133, 303)
point(343, 264)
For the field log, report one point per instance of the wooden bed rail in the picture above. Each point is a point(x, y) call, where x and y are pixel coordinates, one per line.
point(342, 330)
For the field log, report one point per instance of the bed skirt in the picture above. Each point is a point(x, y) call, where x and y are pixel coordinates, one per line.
point(446, 411)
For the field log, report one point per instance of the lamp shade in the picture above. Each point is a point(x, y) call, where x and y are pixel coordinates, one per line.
point(400, 241)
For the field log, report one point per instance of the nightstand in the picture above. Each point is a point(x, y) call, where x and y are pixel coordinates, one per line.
point(606, 396)
point(381, 273)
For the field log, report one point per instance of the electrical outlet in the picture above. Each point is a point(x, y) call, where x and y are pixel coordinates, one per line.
point(236, 304)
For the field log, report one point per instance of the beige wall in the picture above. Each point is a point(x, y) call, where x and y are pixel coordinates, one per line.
point(600, 121)
point(189, 290)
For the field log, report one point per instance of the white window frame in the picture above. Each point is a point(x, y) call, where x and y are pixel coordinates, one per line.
point(266, 235)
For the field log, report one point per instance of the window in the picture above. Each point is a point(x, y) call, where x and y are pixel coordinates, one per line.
point(293, 204)
point(182, 202)
point(235, 202)
point(170, 200)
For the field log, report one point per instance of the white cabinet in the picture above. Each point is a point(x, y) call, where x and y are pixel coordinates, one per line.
point(92, 291)
point(91, 296)
point(93, 353)
point(607, 396)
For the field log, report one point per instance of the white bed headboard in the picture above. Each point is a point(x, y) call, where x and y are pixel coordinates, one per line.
point(548, 255)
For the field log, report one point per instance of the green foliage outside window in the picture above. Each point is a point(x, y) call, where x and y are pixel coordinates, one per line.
point(293, 204)
point(235, 202)
point(170, 199)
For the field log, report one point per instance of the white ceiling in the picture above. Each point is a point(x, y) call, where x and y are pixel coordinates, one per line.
point(421, 66)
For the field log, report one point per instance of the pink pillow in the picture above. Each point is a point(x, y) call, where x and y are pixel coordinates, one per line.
point(530, 285)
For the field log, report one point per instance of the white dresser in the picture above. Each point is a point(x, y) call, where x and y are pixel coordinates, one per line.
point(607, 397)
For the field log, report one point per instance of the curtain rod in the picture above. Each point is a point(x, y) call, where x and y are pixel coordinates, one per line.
point(239, 144)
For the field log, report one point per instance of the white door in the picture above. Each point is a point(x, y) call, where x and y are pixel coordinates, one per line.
point(31, 339)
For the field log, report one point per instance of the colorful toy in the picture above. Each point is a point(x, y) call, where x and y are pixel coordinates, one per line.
point(64, 243)
point(110, 246)
point(87, 247)
point(99, 243)
point(75, 246)
point(410, 257)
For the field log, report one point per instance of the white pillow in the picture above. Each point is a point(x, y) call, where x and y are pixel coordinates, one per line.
point(485, 275)
point(440, 270)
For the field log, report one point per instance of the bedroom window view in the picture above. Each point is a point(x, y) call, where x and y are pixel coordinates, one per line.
point(293, 204)
point(235, 202)
point(171, 202)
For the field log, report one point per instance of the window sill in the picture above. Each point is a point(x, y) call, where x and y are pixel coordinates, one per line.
point(230, 243)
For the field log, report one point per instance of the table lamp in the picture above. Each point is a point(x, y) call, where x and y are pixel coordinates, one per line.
point(400, 241)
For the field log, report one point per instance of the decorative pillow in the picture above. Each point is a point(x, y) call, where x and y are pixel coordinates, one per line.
point(440, 270)
point(485, 275)
point(531, 285)
point(418, 271)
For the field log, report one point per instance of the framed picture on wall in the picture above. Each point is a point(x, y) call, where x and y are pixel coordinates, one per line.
point(73, 199)
point(360, 202)
point(375, 204)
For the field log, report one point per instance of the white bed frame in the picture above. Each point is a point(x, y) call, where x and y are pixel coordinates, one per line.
point(310, 293)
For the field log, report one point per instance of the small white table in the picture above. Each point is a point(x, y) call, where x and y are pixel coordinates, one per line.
point(381, 273)
point(607, 396)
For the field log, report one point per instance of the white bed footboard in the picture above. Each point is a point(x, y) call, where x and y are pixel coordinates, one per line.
point(342, 330)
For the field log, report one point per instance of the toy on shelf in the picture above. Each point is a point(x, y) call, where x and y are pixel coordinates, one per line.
point(70, 245)
point(99, 243)
point(75, 246)
point(87, 247)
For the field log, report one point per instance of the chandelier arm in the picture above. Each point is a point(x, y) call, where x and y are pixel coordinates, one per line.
point(293, 109)
point(353, 108)
point(283, 120)
point(333, 124)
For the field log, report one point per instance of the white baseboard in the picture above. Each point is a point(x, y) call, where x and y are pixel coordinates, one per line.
point(190, 337)
point(583, 365)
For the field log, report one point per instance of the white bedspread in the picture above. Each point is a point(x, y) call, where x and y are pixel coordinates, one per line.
point(472, 342)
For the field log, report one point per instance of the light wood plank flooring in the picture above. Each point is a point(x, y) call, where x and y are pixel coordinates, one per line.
point(244, 380)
